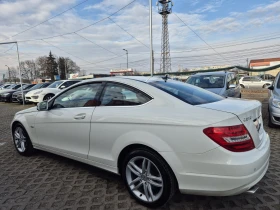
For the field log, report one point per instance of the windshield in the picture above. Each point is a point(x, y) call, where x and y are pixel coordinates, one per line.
point(187, 93)
point(37, 86)
point(55, 84)
point(207, 81)
point(23, 87)
point(11, 86)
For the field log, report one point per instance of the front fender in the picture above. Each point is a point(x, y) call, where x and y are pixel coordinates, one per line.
point(28, 122)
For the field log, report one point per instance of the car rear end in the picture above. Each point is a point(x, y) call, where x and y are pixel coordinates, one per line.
point(231, 149)
point(241, 158)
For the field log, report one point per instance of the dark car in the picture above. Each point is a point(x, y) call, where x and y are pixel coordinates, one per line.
point(18, 91)
point(18, 95)
point(267, 77)
point(7, 95)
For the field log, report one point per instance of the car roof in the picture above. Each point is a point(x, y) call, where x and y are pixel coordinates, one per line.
point(115, 78)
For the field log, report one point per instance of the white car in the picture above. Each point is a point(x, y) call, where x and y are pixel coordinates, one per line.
point(254, 82)
point(36, 96)
point(160, 135)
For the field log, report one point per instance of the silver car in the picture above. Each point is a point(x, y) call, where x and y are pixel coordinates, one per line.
point(274, 103)
point(254, 82)
point(222, 83)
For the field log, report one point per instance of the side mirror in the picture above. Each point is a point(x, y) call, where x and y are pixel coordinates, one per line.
point(42, 106)
point(62, 87)
point(270, 87)
point(232, 86)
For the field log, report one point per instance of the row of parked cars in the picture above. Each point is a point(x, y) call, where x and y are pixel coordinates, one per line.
point(227, 84)
point(33, 93)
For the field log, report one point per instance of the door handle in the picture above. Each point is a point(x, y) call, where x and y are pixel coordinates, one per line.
point(80, 116)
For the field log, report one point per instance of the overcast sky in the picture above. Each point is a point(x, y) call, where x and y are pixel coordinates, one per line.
point(234, 30)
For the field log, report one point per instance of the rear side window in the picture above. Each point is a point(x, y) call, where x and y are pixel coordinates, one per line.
point(116, 94)
point(246, 79)
point(187, 93)
point(207, 81)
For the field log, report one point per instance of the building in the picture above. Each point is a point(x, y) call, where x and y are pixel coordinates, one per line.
point(209, 68)
point(122, 72)
point(265, 63)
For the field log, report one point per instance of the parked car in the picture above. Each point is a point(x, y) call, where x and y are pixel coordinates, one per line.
point(222, 83)
point(45, 94)
point(7, 95)
point(4, 86)
point(11, 87)
point(160, 135)
point(17, 96)
point(267, 77)
point(274, 103)
point(254, 82)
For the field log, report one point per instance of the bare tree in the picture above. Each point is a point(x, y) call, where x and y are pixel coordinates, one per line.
point(14, 74)
point(42, 66)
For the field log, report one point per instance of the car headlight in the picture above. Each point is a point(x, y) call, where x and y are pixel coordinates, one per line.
point(276, 103)
point(38, 92)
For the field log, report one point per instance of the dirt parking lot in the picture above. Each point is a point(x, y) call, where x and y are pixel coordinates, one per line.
point(47, 181)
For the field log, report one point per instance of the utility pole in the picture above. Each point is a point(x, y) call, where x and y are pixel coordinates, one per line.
point(151, 40)
point(9, 72)
point(126, 58)
point(164, 9)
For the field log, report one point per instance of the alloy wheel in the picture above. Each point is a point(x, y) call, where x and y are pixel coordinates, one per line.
point(20, 139)
point(144, 179)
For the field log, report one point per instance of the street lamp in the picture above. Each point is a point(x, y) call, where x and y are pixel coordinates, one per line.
point(18, 65)
point(9, 73)
point(126, 58)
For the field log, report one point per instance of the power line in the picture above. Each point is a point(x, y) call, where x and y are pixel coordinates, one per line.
point(66, 52)
point(128, 33)
point(199, 36)
point(95, 43)
point(48, 19)
point(61, 35)
point(8, 49)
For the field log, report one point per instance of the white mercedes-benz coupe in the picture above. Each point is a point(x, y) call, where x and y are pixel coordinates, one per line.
point(160, 135)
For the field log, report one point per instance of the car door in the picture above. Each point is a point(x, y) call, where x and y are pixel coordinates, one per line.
point(120, 106)
point(246, 81)
point(256, 82)
point(65, 126)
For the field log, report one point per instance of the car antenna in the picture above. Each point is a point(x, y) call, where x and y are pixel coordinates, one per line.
point(165, 78)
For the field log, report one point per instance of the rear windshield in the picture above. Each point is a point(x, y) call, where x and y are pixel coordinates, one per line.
point(207, 81)
point(187, 93)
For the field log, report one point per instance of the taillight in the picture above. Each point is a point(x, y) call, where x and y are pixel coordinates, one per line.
point(234, 138)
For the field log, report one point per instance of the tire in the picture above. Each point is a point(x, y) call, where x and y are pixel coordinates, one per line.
point(48, 97)
point(163, 185)
point(22, 141)
point(265, 85)
point(240, 96)
point(242, 86)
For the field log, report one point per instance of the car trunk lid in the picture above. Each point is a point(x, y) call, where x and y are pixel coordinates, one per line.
point(248, 112)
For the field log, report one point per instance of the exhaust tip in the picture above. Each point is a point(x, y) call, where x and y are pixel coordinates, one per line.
point(252, 190)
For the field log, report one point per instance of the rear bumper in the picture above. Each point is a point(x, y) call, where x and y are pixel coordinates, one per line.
point(220, 172)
